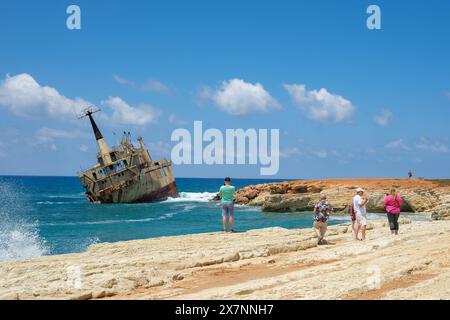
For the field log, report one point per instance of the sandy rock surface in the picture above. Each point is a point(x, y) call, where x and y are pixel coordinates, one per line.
point(272, 263)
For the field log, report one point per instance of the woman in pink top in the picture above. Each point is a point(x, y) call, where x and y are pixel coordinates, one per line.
point(392, 204)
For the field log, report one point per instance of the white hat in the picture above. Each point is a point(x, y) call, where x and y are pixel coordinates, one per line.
point(360, 190)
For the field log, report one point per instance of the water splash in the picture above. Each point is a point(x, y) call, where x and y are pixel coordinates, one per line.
point(19, 237)
point(193, 197)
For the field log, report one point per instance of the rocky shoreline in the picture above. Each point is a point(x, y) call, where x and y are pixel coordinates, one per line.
point(272, 263)
point(423, 196)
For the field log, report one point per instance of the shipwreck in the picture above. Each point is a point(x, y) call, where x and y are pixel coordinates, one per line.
point(126, 173)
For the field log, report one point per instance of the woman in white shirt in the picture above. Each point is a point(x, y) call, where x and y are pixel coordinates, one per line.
point(359, 204)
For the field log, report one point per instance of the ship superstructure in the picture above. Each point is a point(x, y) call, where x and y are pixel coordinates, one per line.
point(125, 173)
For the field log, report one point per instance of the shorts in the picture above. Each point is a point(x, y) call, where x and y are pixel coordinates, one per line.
point(321, 226)
point(361, 219)
point(227, 209)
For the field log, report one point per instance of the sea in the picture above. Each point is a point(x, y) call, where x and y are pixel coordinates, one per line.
point(50, 215)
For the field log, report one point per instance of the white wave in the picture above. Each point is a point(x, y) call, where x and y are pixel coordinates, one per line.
point(58, 202)
point(113, 221)
point(345, 218)
point(417, 217)
point(246, 208)
point(193, 197)
point(19, 237)
point(68, 195)
point(84, 244)
point(20, 244)
point(50, 202)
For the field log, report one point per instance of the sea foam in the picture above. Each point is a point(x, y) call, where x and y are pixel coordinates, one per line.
point(19, 237)
point(193, 197)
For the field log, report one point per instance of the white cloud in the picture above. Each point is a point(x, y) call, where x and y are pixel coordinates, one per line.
point(397, 144)
point(384, 118)
point(123, 113)
point(422, 144)
point(320, 153)
point(84, 148)
point(294, 151)
point(155, 86)
point(45, 135)
point(320, 105)
point(122, 80)
point(238, 97)
point(24, 96)
point(173, 119)
point(433, 146)
point(150, 85)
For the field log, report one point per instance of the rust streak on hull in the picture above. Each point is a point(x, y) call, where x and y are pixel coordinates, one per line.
point(161, 194)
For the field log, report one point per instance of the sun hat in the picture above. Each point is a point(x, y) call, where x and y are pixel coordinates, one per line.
point(359, 190)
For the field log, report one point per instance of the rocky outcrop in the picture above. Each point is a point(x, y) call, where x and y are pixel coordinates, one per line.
point(420, 195)
point(272, 263)
point(441, 212)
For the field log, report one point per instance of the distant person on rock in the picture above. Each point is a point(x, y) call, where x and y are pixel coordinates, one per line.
point(392, 204)
point(226, 194)
point(410, 174)
point(322, 212)
point(359, 204)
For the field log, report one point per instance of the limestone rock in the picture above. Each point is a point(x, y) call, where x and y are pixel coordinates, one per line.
point(420, 195)
point(9, 296)
point(441, 212)
point(271, 263)
point(81, 296)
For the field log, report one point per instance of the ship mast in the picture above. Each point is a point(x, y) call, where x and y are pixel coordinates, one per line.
point(102, 146)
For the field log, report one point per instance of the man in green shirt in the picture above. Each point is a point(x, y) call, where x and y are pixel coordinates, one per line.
point(227, 201)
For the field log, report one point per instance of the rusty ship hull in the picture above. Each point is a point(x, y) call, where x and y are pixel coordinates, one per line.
point(155, 183)
point(126, 173)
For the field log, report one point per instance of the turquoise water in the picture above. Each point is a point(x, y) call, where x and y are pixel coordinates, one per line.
point(49, 215)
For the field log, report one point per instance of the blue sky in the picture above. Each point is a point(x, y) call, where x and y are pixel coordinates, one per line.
point(148, 65)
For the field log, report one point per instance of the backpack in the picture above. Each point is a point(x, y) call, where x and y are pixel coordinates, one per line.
point(352, 212)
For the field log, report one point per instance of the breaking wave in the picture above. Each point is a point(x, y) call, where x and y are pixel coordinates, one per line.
point(193, 197)
point(19, 237)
